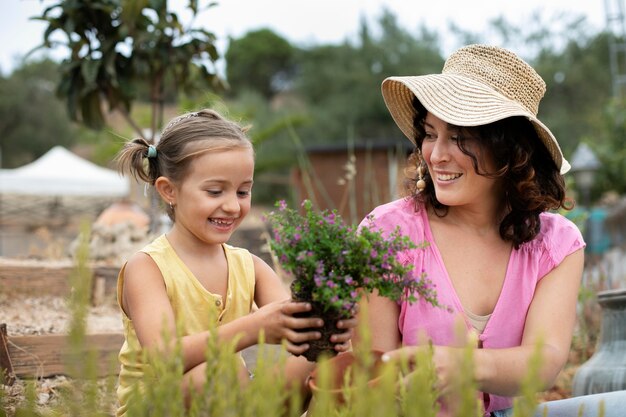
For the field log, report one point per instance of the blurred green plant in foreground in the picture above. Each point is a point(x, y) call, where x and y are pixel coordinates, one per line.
point(267, 393)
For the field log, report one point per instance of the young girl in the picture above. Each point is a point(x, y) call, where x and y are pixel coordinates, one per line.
point(202, 168)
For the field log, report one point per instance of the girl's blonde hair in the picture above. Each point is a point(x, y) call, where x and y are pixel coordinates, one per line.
point(184, 138)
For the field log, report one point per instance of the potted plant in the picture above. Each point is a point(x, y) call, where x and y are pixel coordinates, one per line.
point(332, 264)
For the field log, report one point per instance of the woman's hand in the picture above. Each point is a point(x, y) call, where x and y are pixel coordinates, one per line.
point(278, 323)
point(342, 340)
point(446, 361)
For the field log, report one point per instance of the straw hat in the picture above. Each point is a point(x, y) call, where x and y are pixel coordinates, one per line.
point(478, 85)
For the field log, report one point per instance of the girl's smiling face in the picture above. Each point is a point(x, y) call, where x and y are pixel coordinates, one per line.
point(453, 175)
point(215, 196)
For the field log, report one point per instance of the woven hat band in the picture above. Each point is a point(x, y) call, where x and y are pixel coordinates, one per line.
point(500, 69)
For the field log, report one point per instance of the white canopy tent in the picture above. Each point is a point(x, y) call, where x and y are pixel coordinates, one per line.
point(62, 173)
point(57, 189)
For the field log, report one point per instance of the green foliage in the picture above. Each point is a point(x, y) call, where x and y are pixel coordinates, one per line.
point(341, 83)
point(262, 61)
point(607, 143)
point(578, 88)
point(225, 394)
point(32, 118)
point(115, 46)
point(526, 403)
point(421, 387)
point(332, 263)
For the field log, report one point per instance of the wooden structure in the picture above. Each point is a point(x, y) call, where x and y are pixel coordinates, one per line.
point(354, 179)
point(46, 355)
point(27, 278)
point(36, 356)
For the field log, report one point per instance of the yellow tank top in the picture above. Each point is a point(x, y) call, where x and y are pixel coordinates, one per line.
point(196, 309)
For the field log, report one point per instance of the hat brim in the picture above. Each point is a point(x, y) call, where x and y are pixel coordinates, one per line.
point(460, 101)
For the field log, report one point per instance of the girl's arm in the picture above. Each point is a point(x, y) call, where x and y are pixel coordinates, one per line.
point(145, 302)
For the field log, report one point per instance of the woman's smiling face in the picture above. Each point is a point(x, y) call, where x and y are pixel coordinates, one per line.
point(452, 172)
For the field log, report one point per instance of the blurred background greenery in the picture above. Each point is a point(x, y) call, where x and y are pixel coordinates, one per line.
point(133, 65)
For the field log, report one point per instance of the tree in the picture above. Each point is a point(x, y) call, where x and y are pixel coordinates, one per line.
point(32, 118)
point(341, 83)
point(259, 61)
point(115, 46)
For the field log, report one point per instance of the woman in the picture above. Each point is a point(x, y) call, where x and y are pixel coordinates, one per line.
point(487, 175)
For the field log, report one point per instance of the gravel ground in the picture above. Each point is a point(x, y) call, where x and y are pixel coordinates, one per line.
point(50, 315)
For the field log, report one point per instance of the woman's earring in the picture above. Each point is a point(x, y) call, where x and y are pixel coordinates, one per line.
point(171, 206)
point(420, 185)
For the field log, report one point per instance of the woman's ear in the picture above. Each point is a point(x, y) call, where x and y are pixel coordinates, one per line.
point(166, 189)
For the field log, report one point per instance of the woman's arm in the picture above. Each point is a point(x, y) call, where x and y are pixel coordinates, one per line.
point(550, 321)
point(379, 315)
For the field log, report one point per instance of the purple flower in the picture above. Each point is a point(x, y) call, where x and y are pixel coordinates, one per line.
point(331, 262)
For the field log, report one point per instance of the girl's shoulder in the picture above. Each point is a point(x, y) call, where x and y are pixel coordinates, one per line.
point(236, 250)
point(159, 245)
point(239, 258)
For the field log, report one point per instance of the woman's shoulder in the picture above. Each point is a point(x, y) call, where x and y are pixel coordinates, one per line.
point(557, 238)
point(557, 225)
point(403, 213)
point(402, 208)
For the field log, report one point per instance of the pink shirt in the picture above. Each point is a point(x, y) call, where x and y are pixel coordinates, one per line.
point(557, 238)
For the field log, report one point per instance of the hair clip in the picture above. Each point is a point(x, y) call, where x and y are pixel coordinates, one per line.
point(179, 119)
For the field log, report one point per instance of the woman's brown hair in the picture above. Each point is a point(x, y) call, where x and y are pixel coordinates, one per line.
point(529, 177)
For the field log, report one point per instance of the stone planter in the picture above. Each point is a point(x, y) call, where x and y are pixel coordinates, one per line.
point(605, 371)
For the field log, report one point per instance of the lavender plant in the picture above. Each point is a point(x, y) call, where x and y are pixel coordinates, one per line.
point(333, 264)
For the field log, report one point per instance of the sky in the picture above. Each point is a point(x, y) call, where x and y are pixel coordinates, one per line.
point(307, 22)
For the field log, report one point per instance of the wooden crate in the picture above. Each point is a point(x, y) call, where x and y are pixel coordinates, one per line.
point(24, 279)
point(46, 355)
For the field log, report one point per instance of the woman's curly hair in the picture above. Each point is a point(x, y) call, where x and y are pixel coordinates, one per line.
point(530, 179)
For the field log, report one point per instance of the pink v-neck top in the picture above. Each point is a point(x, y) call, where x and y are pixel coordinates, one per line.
point(557, 238)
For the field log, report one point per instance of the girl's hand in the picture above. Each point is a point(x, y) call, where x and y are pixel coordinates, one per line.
point(278, 323)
